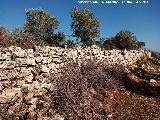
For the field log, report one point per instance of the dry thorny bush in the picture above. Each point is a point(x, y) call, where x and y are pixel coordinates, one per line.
point(16, 38)
point(82, 90)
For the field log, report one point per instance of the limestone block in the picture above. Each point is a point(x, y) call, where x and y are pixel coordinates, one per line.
point(58, 117)
point(73, 54)
point(3, 99)
point(52, 66)
point(20, 53)
point(52, 52)
point(8, 74)
point(11, 92)
point(26, 61)
point(3, 57)
point(48, 86)
point(30, 53)
point(8, 65)
point(46, 60)
point(45, 69)
point(35, 84)
point(30, 61)
point(57, 60)
point(29, 78)
point(1, 87)
point(54, 56)
point(14, 48)
point(39, 59)
point(153, 81)
point(93, 52)
point(19, 82)
point(24, 72)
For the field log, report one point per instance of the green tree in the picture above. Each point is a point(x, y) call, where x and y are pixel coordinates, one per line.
point(84, 26)
point(58, 39)
point(123, 40)
point(139, 44)
point(40, 24)
point(109, 43)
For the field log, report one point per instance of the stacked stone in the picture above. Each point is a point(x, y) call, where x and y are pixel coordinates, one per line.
point(28, 69)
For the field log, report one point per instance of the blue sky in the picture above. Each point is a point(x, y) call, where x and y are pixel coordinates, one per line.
point(141, 19)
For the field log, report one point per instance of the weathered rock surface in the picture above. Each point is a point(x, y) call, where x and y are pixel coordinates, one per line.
point(146, 71)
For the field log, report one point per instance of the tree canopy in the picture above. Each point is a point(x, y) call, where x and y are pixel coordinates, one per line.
point(123, 40)
point(84, 26)
point(40, 24)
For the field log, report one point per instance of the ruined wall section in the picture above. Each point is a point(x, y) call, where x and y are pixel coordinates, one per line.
point(25, 73)
point(16, 63)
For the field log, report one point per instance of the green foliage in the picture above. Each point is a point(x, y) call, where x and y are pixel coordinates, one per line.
point(123, 40)
point(109, 43)
point(84, 26)
point(139, 44)
point(57, 39)
point(70, 44)
point(40, 24)
point(99, 42)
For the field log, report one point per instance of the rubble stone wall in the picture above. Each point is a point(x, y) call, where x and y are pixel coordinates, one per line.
point(25, 69)
point(17, 63)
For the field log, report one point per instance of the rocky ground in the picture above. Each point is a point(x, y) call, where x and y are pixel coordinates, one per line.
point(147, 70)
point(140, 99)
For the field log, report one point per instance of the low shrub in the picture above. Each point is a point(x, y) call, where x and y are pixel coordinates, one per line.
point(4, 40)
point(82, 90)
point(17, 38)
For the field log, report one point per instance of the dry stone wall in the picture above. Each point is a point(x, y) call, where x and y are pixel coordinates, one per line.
point(18, 63)
point(28, 69)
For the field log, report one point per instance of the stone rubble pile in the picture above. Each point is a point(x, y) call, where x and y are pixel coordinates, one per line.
point(146, 70)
